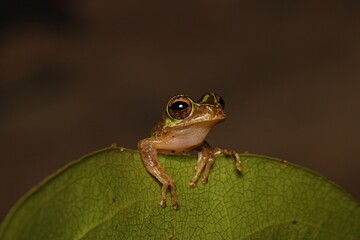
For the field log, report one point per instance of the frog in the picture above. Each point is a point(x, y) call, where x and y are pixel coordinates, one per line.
point(184, 126)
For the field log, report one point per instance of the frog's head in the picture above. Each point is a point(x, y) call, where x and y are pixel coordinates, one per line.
point(182, 111)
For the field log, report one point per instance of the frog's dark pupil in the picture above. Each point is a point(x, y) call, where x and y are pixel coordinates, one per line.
point(179, 106)
point(221, 101)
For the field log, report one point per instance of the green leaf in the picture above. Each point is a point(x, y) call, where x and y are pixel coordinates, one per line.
point(110, 195)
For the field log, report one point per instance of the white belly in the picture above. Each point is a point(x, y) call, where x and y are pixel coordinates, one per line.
point(184, 139)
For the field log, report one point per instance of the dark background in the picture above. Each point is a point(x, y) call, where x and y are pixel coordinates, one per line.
point(76, 76)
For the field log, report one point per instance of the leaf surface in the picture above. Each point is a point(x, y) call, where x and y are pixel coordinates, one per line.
point(110, 195)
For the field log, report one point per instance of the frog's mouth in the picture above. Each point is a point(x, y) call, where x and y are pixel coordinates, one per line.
point(200, 124)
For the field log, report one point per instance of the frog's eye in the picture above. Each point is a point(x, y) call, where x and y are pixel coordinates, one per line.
point(212, 99)
point(220, 100)
point(179, 108)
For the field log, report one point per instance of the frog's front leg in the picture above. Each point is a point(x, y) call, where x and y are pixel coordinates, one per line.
point(149, 156)
point(206, 159)
point(221, 151)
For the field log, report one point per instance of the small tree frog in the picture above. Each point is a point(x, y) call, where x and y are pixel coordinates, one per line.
point(183, 128)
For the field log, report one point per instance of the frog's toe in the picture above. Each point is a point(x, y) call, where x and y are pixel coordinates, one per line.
point(239, 167)
point(175, 206)
point(163, 203)
point(204, 180)
point(192, 184)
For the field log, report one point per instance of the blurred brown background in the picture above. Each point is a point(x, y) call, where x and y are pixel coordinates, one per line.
point(76, 76)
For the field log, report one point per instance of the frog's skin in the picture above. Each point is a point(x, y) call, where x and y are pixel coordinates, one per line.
point(183, 128)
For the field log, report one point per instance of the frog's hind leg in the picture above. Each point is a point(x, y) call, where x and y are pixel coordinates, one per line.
point(206, 159)
point(149, 157)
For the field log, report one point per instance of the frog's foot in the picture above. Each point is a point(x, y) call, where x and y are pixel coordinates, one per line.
point(221, 151)
point(174, 202)
point(166, 183)
point(206, 159)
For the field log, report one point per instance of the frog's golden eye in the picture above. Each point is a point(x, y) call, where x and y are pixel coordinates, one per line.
point(179, 108)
